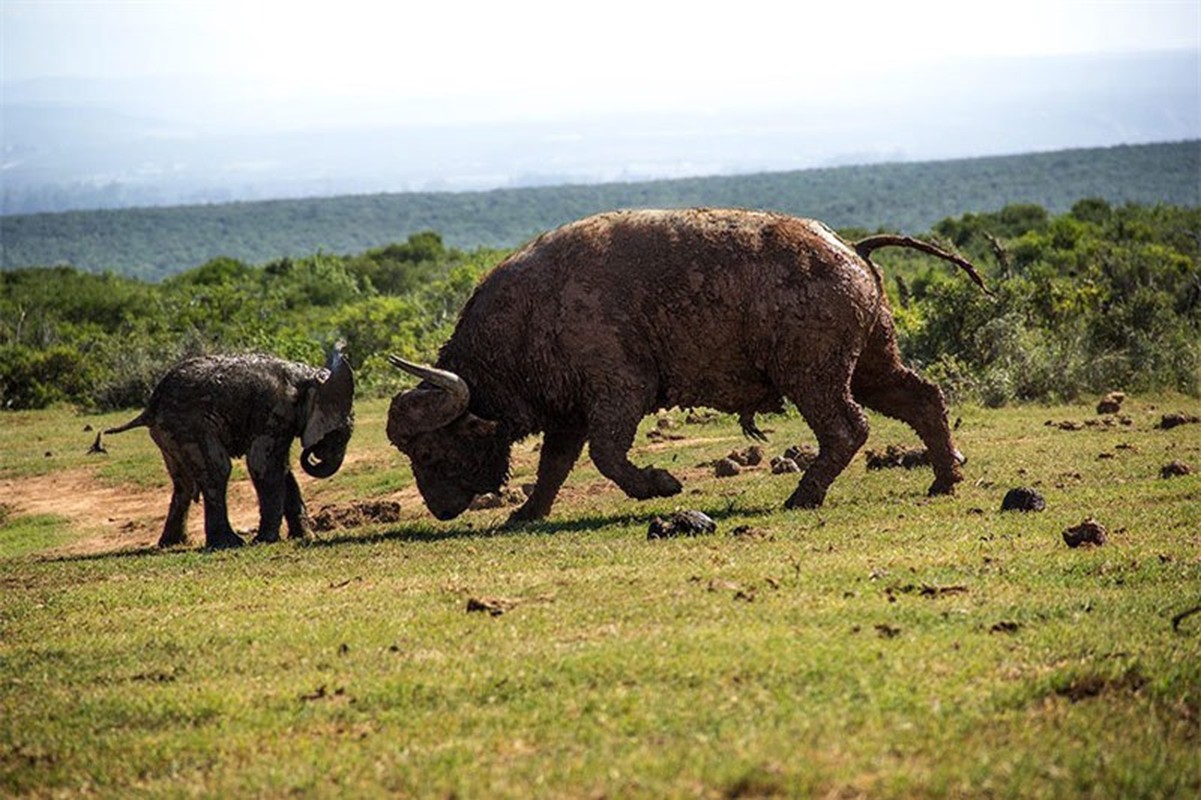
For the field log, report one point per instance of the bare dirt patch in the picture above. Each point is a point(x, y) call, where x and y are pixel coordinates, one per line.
point(113, 517)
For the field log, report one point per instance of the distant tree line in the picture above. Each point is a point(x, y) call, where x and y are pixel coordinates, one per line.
point(155, 243)
point(1098, 298)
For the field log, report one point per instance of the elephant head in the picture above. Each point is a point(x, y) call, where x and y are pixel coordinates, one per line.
point(330, 418)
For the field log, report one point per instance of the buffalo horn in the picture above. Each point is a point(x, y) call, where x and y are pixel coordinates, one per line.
point(441, 378)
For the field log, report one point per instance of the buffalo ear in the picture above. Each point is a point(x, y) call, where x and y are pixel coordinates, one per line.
point(331, 405)
point(476, 427)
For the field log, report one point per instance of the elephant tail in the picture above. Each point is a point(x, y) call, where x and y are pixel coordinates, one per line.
point(140, 421)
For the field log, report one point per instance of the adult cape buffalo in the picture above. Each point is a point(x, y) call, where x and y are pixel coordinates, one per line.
point(594, 325)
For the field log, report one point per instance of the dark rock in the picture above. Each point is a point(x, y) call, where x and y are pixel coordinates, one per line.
point(681, 523)
point(1023, 498)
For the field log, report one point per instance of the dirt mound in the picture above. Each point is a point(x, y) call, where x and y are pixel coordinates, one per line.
point(898, 456)
point(1169, 421)
point(1090, 533)
point(355, 515)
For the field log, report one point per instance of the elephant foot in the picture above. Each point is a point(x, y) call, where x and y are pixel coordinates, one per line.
point(223, 541)
point(260, 538)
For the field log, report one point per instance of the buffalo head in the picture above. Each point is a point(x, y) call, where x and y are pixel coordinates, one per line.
point(455, 455)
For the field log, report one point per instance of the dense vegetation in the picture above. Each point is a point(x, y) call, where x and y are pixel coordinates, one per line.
point(1101, 297)
point(155, 243)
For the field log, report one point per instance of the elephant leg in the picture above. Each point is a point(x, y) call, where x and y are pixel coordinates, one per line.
point(183, 492)
point(267, 468)
point(210, 463)
point(297, 516)
point(560, 449)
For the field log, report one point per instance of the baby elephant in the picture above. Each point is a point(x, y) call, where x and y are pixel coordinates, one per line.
point(206, 411)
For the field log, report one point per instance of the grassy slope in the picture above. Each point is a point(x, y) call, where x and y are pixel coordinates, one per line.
point(805, 662)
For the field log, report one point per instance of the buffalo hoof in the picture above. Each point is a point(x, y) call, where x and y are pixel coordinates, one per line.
point(525, 513)
point(663, 483)
point(940, 487)
point(805, 497)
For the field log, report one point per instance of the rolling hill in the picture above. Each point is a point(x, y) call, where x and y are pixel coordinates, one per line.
point(153, 243)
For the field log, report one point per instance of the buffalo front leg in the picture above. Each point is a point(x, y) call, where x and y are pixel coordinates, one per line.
point(882, 383)
point(920, 404)
point(841, 429)
point(610, 437)
point(560, 449)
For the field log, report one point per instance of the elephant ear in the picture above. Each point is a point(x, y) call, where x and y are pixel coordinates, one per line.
point(332, 405)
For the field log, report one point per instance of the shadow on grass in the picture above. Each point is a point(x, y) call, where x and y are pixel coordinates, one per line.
point(426, 533)
point(423, 532)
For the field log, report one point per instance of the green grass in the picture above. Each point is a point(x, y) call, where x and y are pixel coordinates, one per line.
point(806, 662)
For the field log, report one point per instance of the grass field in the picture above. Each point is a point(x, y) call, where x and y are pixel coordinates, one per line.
point(887, 645)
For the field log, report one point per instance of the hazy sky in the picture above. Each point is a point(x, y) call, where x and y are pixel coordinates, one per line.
point(596, 56)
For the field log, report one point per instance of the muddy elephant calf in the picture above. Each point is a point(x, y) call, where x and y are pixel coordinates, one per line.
point(206, 411)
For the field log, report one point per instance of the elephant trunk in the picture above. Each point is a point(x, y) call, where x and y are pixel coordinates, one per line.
point(318, 467)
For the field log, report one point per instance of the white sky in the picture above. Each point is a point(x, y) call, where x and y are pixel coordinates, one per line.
point(604, 53)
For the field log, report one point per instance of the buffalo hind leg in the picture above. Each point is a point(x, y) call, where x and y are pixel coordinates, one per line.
point(610, 437)
point(560, 449)
point(841, 429)
point(885, 385)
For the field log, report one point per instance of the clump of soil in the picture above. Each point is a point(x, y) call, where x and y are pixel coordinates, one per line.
point(803, 455)
point(1175, 469)
point(681, 523)
point(1088, 533)
point(781, 465)
point(1023, 498)
point(726, 468)
point(695, 417)
point(505, 497)
point(898, 456)
point(1169, 421)
point(493, 606)
point(1111, 403)
point(356, 514)
point(750, 457)
point(751, 532)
